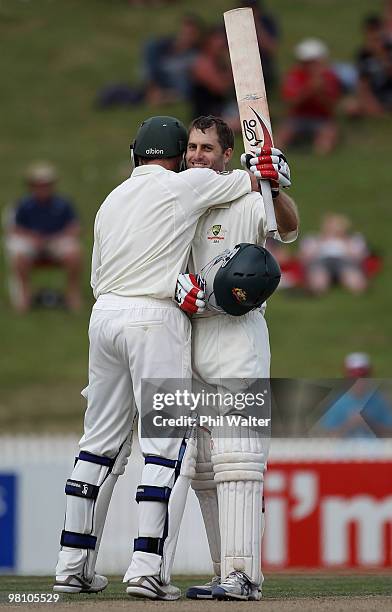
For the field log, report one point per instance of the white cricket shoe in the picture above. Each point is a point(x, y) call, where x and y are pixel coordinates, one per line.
point(78, 584)
point(237, 586)
point(203, 591)
point(152, 587)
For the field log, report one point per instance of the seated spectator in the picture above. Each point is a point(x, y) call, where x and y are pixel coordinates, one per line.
point(290, 266)
point(374, 60)
point(387, 20)
point(44, 228)
point(267, 34)
point(311, 91)
point(167, 62)
point(334, 256)
point(213, 86)
point(361, 412)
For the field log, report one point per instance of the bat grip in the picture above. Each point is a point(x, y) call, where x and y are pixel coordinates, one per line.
point(265, 189)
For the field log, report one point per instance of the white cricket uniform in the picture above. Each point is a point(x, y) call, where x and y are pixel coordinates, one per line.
point(142, 237)
point(229, 347)
point(224, 346)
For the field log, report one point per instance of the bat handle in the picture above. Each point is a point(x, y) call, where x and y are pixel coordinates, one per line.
point(265, 189)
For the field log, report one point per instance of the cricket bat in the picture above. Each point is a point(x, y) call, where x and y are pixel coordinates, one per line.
point(250, 92)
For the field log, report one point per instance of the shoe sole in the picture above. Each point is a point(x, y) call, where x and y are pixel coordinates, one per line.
point(227, 597)
point(198, 596)
point(142, 592)
point(57, 588)
point(231, 597)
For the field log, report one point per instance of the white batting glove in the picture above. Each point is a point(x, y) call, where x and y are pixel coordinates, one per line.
point(189, 293)
point(268, 163)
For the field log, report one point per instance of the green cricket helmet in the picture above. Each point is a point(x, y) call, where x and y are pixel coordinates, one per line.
point(247, 277)
point(159, 138)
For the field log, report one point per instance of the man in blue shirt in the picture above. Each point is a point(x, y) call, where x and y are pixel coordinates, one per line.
point(361, 412)
point(45, 228)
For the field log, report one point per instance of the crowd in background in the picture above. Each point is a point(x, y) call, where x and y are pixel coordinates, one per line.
point(192, 65)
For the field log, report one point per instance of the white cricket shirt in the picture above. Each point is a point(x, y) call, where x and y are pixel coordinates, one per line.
point(144, 228)
point(225, 226)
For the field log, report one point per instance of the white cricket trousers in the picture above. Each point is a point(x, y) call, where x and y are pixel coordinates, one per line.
point(130, 339)
point(231, 347)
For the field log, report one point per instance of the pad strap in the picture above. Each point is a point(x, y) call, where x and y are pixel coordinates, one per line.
point(77, 540)
point(152, 493)
point(155, 460)
point(81, 489)
point(99, 459)
point(148, 545)
point(174, 464)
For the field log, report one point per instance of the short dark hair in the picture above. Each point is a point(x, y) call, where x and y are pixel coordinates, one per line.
point(372, 22)
point(225, 133)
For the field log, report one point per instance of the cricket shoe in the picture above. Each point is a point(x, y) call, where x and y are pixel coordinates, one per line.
point(152, 587)
point(237, 586)
point(203, 591)
point(78, 584)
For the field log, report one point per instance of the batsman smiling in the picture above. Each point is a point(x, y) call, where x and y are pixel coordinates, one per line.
point(229, 471)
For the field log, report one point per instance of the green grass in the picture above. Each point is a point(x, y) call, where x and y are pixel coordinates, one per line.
point(57, 54)
point(277, 586)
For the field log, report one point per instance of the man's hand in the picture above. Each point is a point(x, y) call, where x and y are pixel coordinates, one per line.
point(189, 293)
point(270, 164)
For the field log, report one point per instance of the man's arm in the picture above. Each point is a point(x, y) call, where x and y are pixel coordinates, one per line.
point(270, 164)
point(211, 188)
point(95, 259)
point(71, 229)
point(286, 214)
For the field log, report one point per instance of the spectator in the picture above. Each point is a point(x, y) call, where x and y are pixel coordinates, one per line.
point(387, 19)
point(213, 87)
point(311, 91)
point(267, 34)
point(44, 227)
point(374, 92)
point(334, 256)
point(290, 267)
point(168, 62)
point(361, 412)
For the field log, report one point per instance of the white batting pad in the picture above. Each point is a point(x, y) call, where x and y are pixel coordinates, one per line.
point(88, 516)
point(239, 461)
point(205, 489)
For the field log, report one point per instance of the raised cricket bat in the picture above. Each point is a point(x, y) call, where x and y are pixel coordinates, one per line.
point(250, 91)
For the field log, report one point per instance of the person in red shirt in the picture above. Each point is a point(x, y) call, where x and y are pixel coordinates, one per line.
point(311, 91)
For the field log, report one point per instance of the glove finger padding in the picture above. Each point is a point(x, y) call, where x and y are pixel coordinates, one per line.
point(189, 293)
point(268, 163)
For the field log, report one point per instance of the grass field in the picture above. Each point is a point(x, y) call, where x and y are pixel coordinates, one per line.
point(277, 586)
point(57, 54)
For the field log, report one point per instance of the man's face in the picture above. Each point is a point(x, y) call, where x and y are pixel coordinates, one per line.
point(204, 150)
point(42, 191)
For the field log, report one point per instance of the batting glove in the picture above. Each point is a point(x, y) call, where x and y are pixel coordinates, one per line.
point(270, 164)
point(190, 294)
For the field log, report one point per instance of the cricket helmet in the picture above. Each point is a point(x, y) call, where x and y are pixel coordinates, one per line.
point(247, 277)
point(159, 137)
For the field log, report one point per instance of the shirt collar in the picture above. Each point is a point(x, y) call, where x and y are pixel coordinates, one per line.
point(148, 169)
point(210, 210)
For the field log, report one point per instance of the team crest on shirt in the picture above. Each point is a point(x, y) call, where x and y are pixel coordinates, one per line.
point(216, 233)
point(239, 294)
